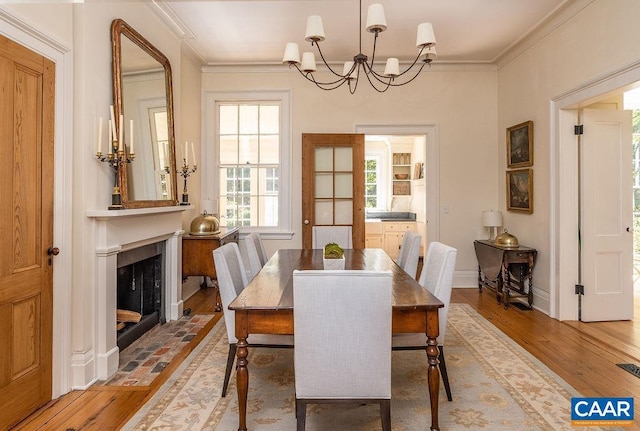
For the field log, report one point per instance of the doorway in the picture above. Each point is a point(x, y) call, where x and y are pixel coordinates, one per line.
point(428, 188)
point(564, 162)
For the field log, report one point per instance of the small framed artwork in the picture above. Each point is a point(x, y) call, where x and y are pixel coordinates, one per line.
point(520, 190)
point(520, 145)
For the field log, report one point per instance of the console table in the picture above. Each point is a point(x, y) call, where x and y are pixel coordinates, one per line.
point(197, 254)
point(506, 270)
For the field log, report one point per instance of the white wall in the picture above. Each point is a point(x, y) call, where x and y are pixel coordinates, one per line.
point(461, 101)
point(599, 39)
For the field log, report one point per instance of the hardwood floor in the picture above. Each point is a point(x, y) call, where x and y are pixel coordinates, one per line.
point(583, 354)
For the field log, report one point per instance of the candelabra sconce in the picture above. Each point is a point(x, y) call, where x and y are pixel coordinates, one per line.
point(117, 160)
point(185, 172)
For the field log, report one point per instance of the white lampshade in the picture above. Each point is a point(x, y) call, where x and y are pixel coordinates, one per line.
point(315, 29)
point(425, 37)
point(308, 62)
point(291, 53)
point(208, 206)
point(348, 65)
point(376, 20)
point(392, 67)
point(492, 218)
point(430, 54)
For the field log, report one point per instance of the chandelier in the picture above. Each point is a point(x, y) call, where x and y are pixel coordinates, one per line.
point(351, 72)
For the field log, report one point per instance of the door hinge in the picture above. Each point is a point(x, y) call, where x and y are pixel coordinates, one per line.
point(579, 289)
point(578, 130)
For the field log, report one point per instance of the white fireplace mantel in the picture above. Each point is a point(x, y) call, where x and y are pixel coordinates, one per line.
point(116, 231)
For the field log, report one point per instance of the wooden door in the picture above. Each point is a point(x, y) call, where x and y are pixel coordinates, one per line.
point(333, 184)
point(606, 216)
point(26, 230)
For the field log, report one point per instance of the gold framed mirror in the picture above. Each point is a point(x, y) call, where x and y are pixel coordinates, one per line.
point(143, 95)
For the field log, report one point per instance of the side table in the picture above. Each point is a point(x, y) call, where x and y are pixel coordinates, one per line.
point(506, 270)
point(197, 255)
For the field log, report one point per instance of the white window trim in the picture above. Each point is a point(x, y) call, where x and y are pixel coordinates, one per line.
point(209, 151)
point(380, 156)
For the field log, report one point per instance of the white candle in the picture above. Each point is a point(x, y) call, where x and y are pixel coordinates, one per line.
point(193, 154)
point(110, 143)
point(131, 136)
point(113, 124)
point(100, 136)
point(185, 154)
point(121, 130)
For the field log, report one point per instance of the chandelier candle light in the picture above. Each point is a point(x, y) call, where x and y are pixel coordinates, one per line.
point(186, 171)
point(376, 23)
point(116, 155)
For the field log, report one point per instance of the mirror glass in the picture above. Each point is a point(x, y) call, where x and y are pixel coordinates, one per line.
point(143, 95)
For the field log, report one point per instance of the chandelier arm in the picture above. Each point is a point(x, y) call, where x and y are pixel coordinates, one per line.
point(325, 61)
point(309, 77)
point(373, 53)
point(378, 75)
point(386, 84)
point(414, 76)
point(326, 85)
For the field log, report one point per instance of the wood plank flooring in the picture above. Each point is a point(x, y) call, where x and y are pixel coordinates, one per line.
point(583, 354)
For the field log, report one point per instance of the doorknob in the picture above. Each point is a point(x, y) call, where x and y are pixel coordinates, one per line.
point(306, 222)
point(53, 251)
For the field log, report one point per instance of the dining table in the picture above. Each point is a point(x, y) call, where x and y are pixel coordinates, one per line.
point(265, 306)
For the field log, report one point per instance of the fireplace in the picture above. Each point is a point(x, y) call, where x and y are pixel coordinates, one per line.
point(140, 287)
point(123, 237)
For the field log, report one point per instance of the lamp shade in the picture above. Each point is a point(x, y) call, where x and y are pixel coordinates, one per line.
point(349, 70)
point(315, 29)
point(376, 21)
point(308, 62)
point(492, 218)
point(430, 54)
point(291, 53)
point(425, 37)
point(392, 67)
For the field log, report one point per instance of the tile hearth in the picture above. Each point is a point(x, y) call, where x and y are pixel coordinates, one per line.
point(145, 358)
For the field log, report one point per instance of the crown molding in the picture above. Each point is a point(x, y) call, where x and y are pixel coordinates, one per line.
point(282, 68)
point(547, 25)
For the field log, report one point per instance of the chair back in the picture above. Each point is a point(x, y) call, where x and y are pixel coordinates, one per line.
point(255, 253)
point(410, 252)
point(342, 336)
point(232, 279)
point(323, 235)
point(437, 278)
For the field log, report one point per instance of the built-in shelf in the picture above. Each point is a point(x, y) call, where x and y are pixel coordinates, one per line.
point(401, 166)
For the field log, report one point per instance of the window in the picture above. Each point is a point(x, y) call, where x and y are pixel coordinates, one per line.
point(371, 177)
point(248, 172)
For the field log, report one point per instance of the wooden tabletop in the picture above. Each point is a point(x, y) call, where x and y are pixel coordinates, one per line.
point(272, 288)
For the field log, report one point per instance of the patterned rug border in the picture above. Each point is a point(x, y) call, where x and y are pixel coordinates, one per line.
point(473, 335)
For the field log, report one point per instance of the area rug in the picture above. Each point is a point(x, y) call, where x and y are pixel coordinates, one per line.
point(143, 360)
point(496, 385)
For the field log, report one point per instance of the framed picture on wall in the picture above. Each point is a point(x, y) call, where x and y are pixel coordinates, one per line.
point(520, 145)
point(520, 190)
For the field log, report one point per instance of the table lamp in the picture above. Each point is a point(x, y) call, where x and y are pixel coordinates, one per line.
point(492, 219)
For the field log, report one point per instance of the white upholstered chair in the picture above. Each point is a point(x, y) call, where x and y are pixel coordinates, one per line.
point(232, 279)
point(342, 334)
point(323, 235)
point(437, 278)
point(410, 252)
point(255, 253)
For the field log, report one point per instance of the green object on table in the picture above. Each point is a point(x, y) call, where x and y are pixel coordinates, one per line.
point(333, 251)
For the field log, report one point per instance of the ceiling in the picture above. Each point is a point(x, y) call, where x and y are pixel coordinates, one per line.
point(237, 32)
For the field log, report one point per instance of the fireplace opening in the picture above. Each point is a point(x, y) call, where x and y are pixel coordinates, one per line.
point(140, 291)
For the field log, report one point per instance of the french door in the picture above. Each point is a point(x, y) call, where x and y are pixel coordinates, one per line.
point(333, 184)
